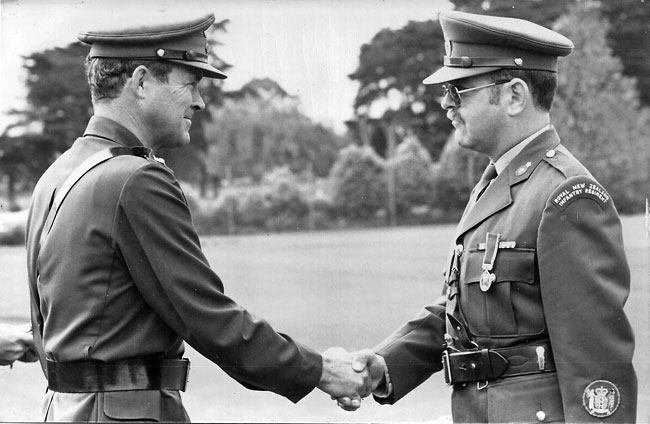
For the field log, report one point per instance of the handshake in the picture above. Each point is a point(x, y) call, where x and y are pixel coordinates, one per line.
point(350, 377)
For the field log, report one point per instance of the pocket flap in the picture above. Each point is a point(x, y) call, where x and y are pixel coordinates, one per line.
point(133, 405)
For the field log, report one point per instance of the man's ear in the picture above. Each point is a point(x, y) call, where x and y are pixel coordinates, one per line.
point(518, 96)
point(139, 81)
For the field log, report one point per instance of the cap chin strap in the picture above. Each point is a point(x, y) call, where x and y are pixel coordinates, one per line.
point(469, 62)
point(495, 62)
point(187, 55)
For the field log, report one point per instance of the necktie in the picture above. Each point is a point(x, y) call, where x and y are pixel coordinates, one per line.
point(489, 174)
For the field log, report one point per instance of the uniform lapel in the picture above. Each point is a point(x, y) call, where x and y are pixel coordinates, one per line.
point(498, 195)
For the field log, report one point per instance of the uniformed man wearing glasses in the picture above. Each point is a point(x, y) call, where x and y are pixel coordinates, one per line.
point(532, 326)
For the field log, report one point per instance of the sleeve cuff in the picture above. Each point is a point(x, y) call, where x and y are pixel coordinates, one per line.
point(385, 389)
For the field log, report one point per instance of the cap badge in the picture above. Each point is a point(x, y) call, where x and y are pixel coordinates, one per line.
point(448, 47)
point(601, 398)
point(519, 61)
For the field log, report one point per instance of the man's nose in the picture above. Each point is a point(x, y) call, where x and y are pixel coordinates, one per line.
point(197, 100)
point(446, 102)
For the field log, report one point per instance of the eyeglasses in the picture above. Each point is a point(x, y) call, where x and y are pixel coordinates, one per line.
point(454, 92)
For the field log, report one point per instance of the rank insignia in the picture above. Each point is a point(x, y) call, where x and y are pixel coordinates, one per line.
point(490, 255)
point(601, 398)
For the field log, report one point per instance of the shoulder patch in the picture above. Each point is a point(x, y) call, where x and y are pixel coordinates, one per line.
point(601, 398)
point(580, 188)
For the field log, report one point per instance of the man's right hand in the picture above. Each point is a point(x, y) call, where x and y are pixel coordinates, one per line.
point(16, 343)
point(364, 361)
point(341, 380)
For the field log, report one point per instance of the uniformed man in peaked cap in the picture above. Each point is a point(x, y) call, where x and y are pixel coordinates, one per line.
point(531, 326)
point(118, 280)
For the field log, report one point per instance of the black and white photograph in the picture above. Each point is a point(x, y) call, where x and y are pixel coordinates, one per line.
point(325, 211)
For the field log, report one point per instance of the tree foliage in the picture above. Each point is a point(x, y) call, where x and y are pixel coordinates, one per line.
point(391, 69)
point(414, 181)
point(358, 183)
point(455, 174)
point(57, 93)
point(58, 104)
point(598, 114)
point(264, 129)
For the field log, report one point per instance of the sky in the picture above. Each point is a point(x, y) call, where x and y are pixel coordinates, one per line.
point(308, 46)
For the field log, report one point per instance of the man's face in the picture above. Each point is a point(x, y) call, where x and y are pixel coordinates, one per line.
point(170, 107)
point(477, 121)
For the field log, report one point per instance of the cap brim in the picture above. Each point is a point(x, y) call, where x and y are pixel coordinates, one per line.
point(207, 71)
point(448, 73)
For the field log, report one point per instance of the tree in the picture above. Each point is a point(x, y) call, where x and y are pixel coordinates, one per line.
point(454, 176)
point(390, 73)
point(57, 93)
point(597, 111)
point(22, 158)
point(58, 104)
point(358, 183)
point(262, 128)
point(413, 175)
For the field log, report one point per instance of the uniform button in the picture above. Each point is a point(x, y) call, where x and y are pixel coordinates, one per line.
point(550, 153)
point(541, 416)
point(459, 249)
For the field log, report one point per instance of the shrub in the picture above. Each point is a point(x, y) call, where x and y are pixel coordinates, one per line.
point(277, 204)
point(358, 183)
point(454, 176)
point(414, 181)
point(12, 228)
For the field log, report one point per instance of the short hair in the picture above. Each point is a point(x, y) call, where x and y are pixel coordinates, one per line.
point(107, 76)
point(542, 84)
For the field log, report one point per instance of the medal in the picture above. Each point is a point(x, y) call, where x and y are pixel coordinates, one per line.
point(491, 249)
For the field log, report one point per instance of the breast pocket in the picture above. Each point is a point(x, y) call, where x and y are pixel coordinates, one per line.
point(512, 307)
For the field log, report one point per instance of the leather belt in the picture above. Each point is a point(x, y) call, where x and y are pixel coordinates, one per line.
point(489, 364)
point(129, 374)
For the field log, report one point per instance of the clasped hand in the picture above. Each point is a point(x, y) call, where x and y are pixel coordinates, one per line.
point(350, 377)
point(16, 344)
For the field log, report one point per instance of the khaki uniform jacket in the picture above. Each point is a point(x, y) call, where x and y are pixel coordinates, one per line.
point(561, 276)
point(122, 275)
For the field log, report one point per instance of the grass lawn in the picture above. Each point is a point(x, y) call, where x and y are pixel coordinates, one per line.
point(340, 288)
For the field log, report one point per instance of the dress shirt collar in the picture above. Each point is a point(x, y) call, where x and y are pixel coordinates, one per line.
point(508, 156)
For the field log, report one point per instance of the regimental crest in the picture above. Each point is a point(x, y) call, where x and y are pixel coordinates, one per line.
point(447, 48)
point(601, 398)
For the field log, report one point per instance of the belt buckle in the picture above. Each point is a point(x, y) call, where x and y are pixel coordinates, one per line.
point(447, 367)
